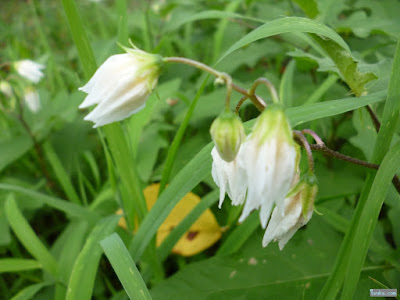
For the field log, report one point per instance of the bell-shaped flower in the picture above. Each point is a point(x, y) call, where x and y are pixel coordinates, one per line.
point(227, 133)
point(32, 100)
point(229, 178)
point(29, 69)
point(268, 158)
point(296, 212)
point(121, 86)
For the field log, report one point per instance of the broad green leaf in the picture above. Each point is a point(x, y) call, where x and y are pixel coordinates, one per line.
point(81, 282)
point(28, 237)
point(124, 267)
point(18, 264)
point(299, 270)
point(347, 65)
point(310, 7)
point(286, 25)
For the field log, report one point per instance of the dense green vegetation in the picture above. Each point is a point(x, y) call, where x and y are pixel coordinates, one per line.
point(336, 67)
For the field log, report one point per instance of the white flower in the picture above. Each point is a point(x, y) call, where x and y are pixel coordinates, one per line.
point(295, 213)
point(268, 158)
point(6, 88)
point(121, 86)
point(229, 178)
point(29, 69)
point(32, 99)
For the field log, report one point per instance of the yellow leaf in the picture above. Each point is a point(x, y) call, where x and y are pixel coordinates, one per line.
point(201, 235)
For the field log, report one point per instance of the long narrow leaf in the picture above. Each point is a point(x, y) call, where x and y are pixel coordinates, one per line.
point(125, 268)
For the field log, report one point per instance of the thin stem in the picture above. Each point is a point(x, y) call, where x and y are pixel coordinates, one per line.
point(321, 147)
point(268, 84)
point(241, 101)
point(374, 117)
point(224, 76)
point(314, 135)
point(300, 136)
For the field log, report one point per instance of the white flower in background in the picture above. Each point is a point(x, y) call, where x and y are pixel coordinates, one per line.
point(296, 212)
point(29, 70)
point(268, 158)
point(31, 97)
point(121, 86)
point(229, 178)
point(6, 88)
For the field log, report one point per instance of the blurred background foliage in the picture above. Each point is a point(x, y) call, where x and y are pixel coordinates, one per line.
point(54, 152)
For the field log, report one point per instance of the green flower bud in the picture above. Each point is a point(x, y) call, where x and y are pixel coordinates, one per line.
point(227, 133)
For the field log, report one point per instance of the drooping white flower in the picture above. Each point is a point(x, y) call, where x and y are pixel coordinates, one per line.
point(296, 212)
point(121, 86)
point(268, 157)
point(6, 88)
point(31, 97)
point(229, 178)
point(29, 69)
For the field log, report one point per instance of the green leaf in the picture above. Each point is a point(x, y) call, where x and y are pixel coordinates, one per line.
point(286, 86)
point(61, 173)
point(257, 273)
point(81, 282)
point(310, 7)
point(71, 209)
point(286, 25)
point(124, 267)
point(12, 149)
point(30, 291)
point(347, 65)
point(175, 23)
point(28, 237)
point(369, 217)
point(18, 264)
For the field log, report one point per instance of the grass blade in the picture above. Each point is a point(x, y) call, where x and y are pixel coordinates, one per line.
point(124, 267)
point(28, 237)
point(30, 291)
point(83, 274)
point(18, 264)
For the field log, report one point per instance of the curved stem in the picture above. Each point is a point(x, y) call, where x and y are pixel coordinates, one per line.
point(241, 101)
point(227, 78)
point(321, 147)
point(300, 136)
point(268, 84)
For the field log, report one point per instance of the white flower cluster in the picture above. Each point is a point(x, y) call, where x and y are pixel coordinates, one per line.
point(262, 174)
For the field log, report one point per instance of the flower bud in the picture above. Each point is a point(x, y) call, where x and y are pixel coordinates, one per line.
point(227, 133)
point(31, 97)
point(30, 70)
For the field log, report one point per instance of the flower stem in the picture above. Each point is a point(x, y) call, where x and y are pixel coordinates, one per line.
point(321, 147)
point(224, 76)
point(268, 84)
point(300, 136)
